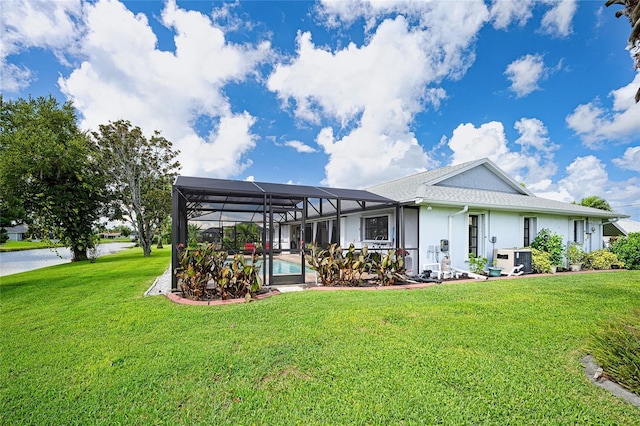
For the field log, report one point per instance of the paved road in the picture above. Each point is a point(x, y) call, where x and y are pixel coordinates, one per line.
point(13, 262)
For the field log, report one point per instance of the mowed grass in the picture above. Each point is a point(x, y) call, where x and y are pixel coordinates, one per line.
point(81, 345)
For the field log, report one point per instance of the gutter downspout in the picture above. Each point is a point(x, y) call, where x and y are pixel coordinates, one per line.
point(450, 227)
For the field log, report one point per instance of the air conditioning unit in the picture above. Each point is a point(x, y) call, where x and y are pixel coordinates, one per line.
point(507, 259)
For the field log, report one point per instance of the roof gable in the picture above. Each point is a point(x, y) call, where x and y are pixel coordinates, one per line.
point(480, 177)
point(480, 174)
point(480, 184)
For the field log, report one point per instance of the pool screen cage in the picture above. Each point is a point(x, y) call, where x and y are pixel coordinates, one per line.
point(227, 203)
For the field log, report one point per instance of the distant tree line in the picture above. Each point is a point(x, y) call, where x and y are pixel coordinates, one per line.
point(62, 180)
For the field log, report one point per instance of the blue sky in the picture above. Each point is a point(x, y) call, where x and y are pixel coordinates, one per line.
point(349, 93)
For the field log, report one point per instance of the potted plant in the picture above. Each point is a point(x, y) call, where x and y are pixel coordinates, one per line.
point(494, 269)
point(575, 256)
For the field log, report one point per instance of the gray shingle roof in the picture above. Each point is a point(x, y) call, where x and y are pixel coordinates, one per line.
point(422, 187)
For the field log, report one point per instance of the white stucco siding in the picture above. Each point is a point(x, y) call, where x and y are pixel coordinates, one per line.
point(350, 231)
point(434, 227)
point(508, 230)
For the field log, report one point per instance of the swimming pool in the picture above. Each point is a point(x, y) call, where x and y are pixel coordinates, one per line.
point(282, 267)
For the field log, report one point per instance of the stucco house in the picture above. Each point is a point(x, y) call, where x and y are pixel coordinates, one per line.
point(477, 208)
point(473, 207)
point(17, 232)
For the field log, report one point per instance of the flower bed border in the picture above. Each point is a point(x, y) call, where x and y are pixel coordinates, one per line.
point(176, 298)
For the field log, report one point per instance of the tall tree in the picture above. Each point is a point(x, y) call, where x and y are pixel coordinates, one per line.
point(140, 172)
point(632, 12)
point(595, 202)
point(47, 168)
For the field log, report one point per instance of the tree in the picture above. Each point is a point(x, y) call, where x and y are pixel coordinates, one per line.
point(595, 202)
point(632, 11)
point(140, 173)
point(48, 169)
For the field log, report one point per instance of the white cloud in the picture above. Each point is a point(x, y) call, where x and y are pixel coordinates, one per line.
point(402, 61)
point(533, 165)
point(504, 12)
point(534, 134)
point(595, 124)
point(525, 73)
point(124, 75)
point(587, 176)
point(49, 25)
point(470, 143)
point(300, 147)
point(557, 20)
point(630, 160)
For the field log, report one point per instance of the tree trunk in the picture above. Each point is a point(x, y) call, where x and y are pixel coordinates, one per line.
point(79, 255)
point(145, 238)
point(159, 241)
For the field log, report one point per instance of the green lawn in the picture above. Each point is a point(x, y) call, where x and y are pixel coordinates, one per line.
point(30, 245)
point(26, 245)
point(81, 345)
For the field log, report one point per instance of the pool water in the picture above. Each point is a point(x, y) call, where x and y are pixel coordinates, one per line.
point(282, 267)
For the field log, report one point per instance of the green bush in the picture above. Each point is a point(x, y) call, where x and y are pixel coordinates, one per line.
point(628, 250)
point(540, 261)
point(477, 264)
point(616, 348)
point(601, 259)
point(575, 254)
point(550, 242)
point(201, 266)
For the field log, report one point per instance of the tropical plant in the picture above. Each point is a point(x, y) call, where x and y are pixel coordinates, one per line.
point(550, 242)
point(240, 278)
point(195, 271)
point(477, 264)
point(390, 269)
point(247, 233)
point(601, 259)
point(336, 266)
point(595, 202)
point(628, 250)
point(575, 253)
point(193, 235)
point(205, 274)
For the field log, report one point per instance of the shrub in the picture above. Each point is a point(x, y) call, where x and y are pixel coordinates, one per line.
point(203, 266)
point(628, 250)
point(575, 254)
point(390, 268)
point(601, 259)
point(549, 242)
point(540, 261)
point(477, 264)
point(337, 268)
point(615, 348)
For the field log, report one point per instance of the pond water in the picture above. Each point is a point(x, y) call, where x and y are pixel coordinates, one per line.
point(13, 262)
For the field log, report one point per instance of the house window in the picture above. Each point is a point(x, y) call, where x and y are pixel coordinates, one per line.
point(376, 228)
point(529, 231)
point(473, 234)
point(578, 231)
